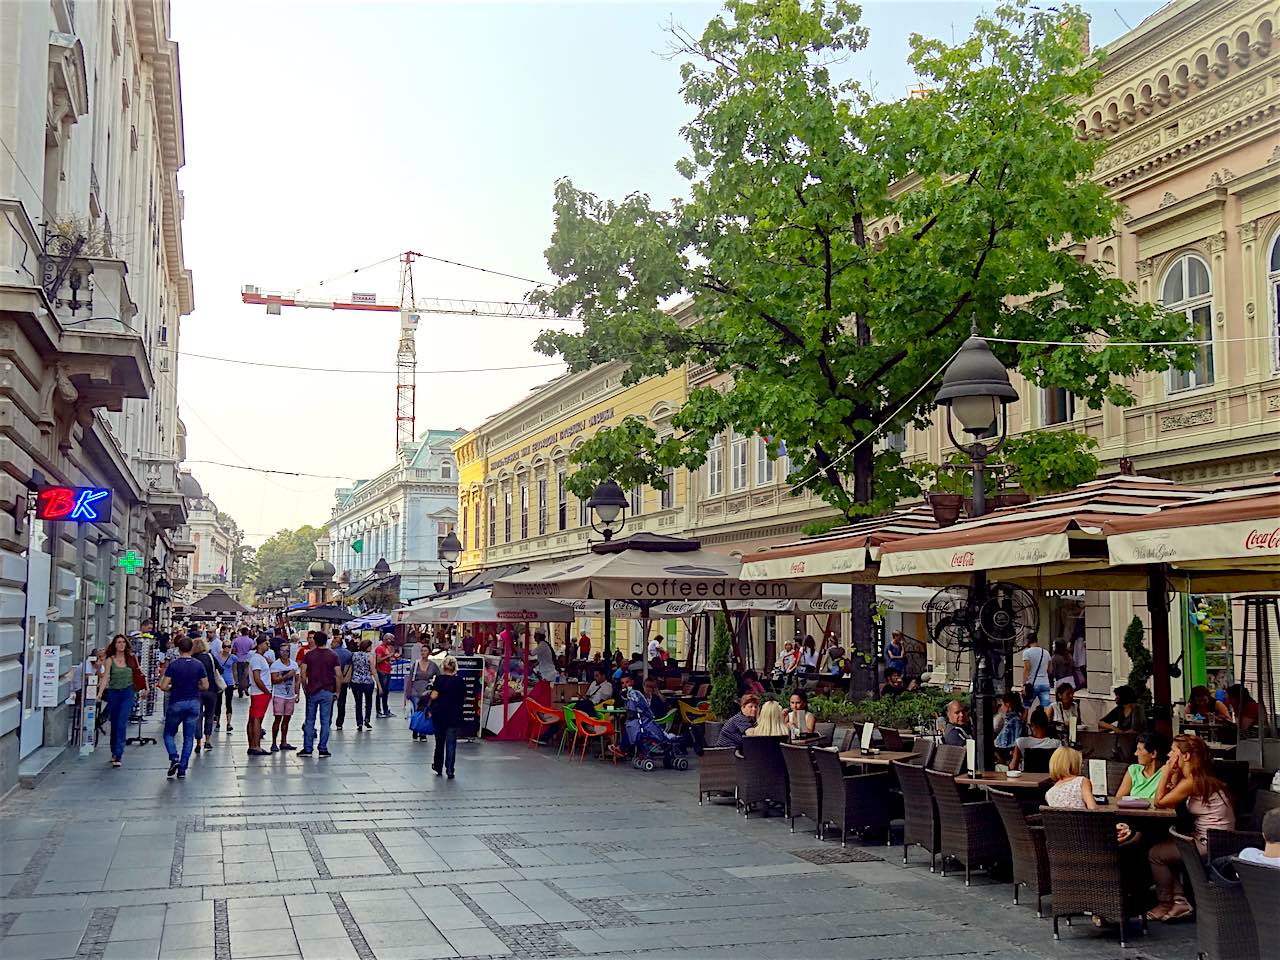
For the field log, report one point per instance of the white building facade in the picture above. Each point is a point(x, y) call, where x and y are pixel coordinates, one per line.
point(400, 516)
point(92, 286)
point(213, 539)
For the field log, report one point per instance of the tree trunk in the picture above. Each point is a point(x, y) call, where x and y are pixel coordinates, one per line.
point(864, 595)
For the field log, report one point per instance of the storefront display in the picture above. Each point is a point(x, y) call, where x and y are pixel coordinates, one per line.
point(1065, 637)
point(1206, 642)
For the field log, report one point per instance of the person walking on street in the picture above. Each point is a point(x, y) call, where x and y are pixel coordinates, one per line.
point(284, 695)
point(260, 695)
point(343, 653)
point(227, 664)
point(417, 684)
point(447, 696)
point(320, 679)
point(242, 648)
point(211, 696)
point(362, 684)
point(184, 680)
point(382, 660)
point(123, 680)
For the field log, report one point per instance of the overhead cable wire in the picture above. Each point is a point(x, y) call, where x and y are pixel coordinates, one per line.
point(420, 372)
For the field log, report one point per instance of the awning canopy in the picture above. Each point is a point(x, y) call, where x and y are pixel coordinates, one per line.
point(479, 606)
point(370, 584)
point(218, 601)
point(326, 613)
point(844, 555)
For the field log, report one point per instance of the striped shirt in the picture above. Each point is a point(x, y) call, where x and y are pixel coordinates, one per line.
point(734, 729)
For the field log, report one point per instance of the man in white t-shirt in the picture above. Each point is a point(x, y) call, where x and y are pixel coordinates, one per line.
point(1269, 855)
point(655, 648)
point(1035, 675)
point(259, 695)
point(284, 696)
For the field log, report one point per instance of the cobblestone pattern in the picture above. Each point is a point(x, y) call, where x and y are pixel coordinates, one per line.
point(7, 920)
point(835, 855)
point(179, 850)
point(93, 945)
point(510, 841)
point(495, 846)
point(313, 848)
point(221, 931)
point(358, 942)
point(532, 942)
point(376, 843)
point(29, 879)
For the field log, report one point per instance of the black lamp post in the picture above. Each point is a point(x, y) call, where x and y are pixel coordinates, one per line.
point(160, 591)
point(608, 504)
point(450, 550)
point(976, 391)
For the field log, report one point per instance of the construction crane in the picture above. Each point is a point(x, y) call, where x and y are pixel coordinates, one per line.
point(409, 309)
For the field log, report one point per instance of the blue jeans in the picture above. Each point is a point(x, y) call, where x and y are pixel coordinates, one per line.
point(1042, 693)
point(187, 713)
point(322, 700)
point(446, 749)
point(119, 707)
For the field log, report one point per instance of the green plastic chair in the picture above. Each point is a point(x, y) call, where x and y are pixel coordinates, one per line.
point(570, 726)
point(666, 722)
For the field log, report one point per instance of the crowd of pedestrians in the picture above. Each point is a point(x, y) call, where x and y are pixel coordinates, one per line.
point(205, 671)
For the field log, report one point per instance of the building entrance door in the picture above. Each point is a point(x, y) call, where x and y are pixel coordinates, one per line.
point(35, 625)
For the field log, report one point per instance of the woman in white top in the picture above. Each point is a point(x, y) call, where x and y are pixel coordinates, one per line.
point(1035, 674)
point(1064, 705)
point(1070, 791)
point(800, 722)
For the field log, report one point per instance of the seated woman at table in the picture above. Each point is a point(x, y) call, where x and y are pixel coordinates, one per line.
point(771, 722)
point(800, 722)
point(1008, 724)
point(736, 727)
point(1070, 791)
point(1038, 739)
point(1064, 705)
point(751, 683)
point(1128, 714)
point(1243, 707)
point(1142, 778)
point(1202, 706)
point(1187, 776)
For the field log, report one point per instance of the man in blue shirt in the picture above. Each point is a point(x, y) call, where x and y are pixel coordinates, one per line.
point(344, 676)
point(184, 679)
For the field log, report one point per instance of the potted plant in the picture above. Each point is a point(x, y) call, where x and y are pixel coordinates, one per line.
point(945, 484)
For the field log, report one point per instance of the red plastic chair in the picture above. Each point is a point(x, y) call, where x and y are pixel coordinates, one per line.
point(540, 718)
point(588, 727)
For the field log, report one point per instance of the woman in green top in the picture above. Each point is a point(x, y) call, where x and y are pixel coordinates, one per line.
point(1142, 778)
point(116, 674)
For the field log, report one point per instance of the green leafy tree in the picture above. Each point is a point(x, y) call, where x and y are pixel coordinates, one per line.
point(840, 249)
point(284, 558)
point(244, 566)
point(724, 689)
point(1141, 665)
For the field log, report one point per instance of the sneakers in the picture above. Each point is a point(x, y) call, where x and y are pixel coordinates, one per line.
point(287, 746)
point(450, 776)
point(173, 769)
point(304, 753)
point(274, 748)
point(182, 775)
point(259, 753)
point(115, 762)
point(325, 753)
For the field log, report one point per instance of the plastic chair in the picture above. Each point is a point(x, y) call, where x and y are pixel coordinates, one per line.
point(540, 718)
point(570, 726)
point(694, 715)
point(665, 722)
point(589, 727)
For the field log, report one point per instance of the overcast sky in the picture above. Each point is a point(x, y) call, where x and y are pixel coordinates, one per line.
point(326, 136)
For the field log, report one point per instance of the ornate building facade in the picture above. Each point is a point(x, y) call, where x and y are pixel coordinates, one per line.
point(92, 286)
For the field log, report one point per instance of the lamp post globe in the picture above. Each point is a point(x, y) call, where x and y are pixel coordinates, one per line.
point(975, 388)
point(607, 504)
point(450, 550)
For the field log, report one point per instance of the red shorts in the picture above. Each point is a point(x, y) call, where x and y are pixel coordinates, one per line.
point(258, 704)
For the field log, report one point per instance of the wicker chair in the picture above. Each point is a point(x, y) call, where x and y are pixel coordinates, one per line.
point(718, 773)
point(1036, 759)
point(711, 731)
point(826, 733)
point(1262, 890)
point(762, 775)
point(1096, 744)
point(970, 831)
point(923, 749)
point(1224, 930)
point(805, 792)
point(1235, 774)
point(858, 802)
point(1115, 776)
point(947, 759)
point(1227, 843)
point(1026, 843)
point(1089, 872)
point(849, 739)
point(920, 817)
point(1126, 747)
point(1263, 800)
point(891, 739)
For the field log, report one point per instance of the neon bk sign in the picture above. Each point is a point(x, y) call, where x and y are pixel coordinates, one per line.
point(74, 504)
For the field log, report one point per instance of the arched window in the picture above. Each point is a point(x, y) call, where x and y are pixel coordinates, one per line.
point(1186, 290)
point(1273, 287)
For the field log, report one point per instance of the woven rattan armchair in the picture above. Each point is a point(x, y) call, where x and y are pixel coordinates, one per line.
point(1224, 924)
point(923, 750)
point(920, 817)
point(1026, 844)
point(1096, 744)
point(1262, 890)
point(762, 774)
point(1089, 872)
point(971, 832)
point(1263, 801)
point(826, 733)
point(1227, 843)
point(947, 758)
point(859, 802)
point(805, 793)
point(718, 773)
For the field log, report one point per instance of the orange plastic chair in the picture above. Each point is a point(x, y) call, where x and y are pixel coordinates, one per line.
point(589, 727)
point(540, 718)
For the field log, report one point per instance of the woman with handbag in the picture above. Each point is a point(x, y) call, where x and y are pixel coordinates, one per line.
point(123, 680)
point(417, 684)
point(210, 698)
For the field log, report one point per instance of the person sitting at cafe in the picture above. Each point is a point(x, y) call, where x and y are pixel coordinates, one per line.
point(1243, 707)
point(892, 683)
point(800, 722)
point(1128, 715)
point(735, 727)
point(771, 722)
point(598, 692)
point(1269, 854)
point(788, 659)
point(1202, 706)
point(751, 683)
point(957, 733)
point(657, 703)
point(1064, 706)
point(1008, 724)
point(1038, 739)
point(1142, 778)
point(1070, 791)
point(835, 661)
point(1187, 778)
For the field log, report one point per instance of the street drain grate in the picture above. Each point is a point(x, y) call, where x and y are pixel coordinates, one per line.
point(835, 855)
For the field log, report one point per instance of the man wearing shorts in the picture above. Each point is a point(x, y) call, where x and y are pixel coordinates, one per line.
point(284, 694)
point(259, 695)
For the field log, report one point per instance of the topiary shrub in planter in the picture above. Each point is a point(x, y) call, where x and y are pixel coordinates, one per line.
point(724, 689)
point(1141, 666)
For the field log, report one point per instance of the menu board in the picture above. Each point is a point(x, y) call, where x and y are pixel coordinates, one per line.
point(47, 693)
point(471, 670)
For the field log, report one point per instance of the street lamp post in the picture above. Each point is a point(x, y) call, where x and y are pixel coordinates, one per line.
point(976, 391)
point(608, 504)
point(450, 550)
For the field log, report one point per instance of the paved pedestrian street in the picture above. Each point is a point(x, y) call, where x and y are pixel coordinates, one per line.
point(370, 855)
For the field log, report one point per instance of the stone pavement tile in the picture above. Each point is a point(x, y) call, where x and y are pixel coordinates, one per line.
point(355, 866)
point(139, 923)
point(341, 884)
point(529, 857)
point(412, 862)
point(284, 840)
point(203, 844)
point(132, 950)
point(476, 942)
point(256, 872)
point(130, 898)
point(17, 854)
point(394, 906)
point(51, 921)
point(145, 853)
point(13, 829)
point(149, 827)
point(134, 878)
point(244, 838)
point(201, 864)
point(478, 889)
point(7, 883)
point(308, 905)
point(319, 927)
point(457, 843)
point(56, 888)
point(266, 918)
point(412, 951)
point(210, 879)
point(344, 845)
point(336, 948)
point(263, 943)
point(471, 859)
point(41, 946)
point(242, 855)
point(545, 902)
point(186, 936)
point(652, 883)
point(280, 888)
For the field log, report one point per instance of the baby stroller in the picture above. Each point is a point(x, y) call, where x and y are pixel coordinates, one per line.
point(652, 744)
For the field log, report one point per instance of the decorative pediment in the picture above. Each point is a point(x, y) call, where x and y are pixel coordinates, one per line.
point(68, 80)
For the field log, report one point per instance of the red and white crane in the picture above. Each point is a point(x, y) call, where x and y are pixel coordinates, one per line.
point(409, 309)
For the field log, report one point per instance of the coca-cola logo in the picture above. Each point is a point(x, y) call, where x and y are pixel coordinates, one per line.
point(797, 568)
point(965, 559)
point(1262, 540)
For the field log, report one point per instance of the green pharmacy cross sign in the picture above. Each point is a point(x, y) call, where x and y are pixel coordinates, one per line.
point(131, 562)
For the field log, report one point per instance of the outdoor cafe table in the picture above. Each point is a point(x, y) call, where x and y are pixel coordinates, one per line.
point(1028, 781)
point(1159, 813)
point(881, 759)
